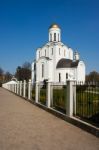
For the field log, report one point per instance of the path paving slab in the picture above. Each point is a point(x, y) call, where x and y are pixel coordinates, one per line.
point(24, 126)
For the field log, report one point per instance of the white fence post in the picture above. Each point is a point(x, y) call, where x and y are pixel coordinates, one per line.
point(15, 88)
point(12, 87)
point(24, 88)
point(20, 84)
point(48, 102)
point(29, 89)
point(69, 105)
point(74, 98)
point(36, 92)
point(18, 87)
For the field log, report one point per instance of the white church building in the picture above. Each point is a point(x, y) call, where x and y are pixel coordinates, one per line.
point(56, 61)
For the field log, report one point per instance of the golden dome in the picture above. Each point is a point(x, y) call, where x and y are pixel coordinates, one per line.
point(54, 26)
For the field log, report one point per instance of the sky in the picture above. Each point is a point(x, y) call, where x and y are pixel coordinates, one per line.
point(24, 27)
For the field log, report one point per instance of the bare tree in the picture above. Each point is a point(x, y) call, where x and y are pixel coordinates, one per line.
point(24, 72)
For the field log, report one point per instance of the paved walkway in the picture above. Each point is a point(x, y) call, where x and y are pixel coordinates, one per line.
point(24, 126)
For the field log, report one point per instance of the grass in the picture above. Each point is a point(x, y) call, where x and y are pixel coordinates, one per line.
point(87, 101)
point(42, 97)
point(33, 94)
point(59, 99)
point(87, 104)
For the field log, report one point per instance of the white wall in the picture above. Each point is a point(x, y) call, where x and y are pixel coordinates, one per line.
point(81, 72)
point(63, 71)
point(50, 71)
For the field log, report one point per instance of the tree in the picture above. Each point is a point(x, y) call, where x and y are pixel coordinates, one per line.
point(93, 76)
point(8, 76)
point(26, 65)
point(1, 71)
point(1, 76)
point(24, 72)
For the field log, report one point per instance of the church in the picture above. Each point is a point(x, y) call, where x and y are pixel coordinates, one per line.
point(56, 61)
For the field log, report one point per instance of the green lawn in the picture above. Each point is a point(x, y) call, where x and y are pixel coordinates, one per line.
point(87, 104)
point(42, 97)
point(59, 99)
point(33, 94)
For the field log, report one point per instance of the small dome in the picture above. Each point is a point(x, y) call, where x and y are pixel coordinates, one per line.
point(54, 26)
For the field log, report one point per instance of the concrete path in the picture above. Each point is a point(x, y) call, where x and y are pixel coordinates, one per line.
point(24, 126)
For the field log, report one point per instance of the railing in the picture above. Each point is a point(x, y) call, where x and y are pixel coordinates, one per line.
point(81, 100)
point(42, 93)
point(87, 102)
point(59, 97)
point(33, 92)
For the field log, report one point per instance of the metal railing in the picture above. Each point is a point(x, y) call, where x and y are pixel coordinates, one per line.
point(78, 100)
point(87, 102)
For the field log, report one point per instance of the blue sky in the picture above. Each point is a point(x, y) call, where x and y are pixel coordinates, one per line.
point(24, 27)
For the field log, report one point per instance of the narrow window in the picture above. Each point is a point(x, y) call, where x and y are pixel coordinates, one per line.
point(39, 54)
point(45, 52)
point(59, 77)
point(64, 52)
point(42, 70)
point(52, 51)
point(35, 77)
point(59, 51)
point(34, 66)
point(50, 37)
point(66, 75)
point(54, 36)
point(58, 36)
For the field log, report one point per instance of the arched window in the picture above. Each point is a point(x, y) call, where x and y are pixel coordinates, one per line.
point(45, 52)
point(34, 77)
point(59, 77)
point(39, 54)
point(50, 37)
point(64, 52)
point(66, 75)
point(59, 51)
point(42, 70)
point(54, 36)
point(35, 66)
point(58, 36)
point(52, 51)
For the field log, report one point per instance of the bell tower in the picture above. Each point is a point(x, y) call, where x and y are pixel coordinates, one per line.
point(54, 33)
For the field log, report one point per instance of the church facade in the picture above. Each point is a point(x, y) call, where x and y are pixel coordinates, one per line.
point(57, 62)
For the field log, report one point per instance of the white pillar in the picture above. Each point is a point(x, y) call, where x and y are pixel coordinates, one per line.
point(12, 87)
point(29, 89)
point(15, 88)
point(69, 105)
point(36, 92)
point(18, 87)
point(24, 88)
point(48, 102)
point(74, 98)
